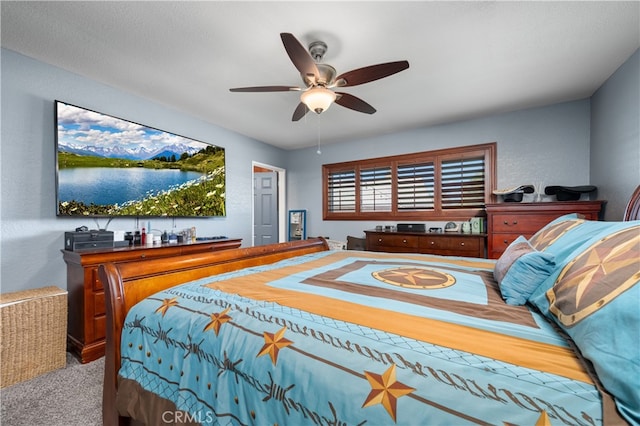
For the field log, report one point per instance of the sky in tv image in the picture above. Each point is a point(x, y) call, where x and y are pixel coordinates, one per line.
point(108, 166)
point(87, 132)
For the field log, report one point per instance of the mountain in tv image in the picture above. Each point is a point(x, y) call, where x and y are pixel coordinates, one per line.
point(128, 153)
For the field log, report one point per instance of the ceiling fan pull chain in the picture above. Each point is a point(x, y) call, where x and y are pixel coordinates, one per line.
point(318, 117)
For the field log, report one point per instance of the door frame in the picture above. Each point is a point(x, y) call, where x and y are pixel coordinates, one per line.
point(282, 204)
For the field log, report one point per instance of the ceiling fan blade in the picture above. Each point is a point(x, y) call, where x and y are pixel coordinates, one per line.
point(300, 112)
point(265, 89)
point(370, 73)
point(299, 56)
point(349, 101)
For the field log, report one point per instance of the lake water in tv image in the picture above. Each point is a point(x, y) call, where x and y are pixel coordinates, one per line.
point(106, 185)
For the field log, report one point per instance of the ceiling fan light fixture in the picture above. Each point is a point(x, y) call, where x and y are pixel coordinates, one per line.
point(318, 99)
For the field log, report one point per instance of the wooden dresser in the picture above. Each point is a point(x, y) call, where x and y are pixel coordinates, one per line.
point(445, 243)
point(507, 221)
point(86, 320)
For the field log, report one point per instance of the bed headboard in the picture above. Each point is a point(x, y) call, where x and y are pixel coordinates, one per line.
point(632, 212)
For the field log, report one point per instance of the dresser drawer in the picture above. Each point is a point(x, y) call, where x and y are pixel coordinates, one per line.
point(94, 279)
point(459, 244)
point(520, 223)
point(500, 242)
point(400, 241)
point(99, 306)
point(100, 327)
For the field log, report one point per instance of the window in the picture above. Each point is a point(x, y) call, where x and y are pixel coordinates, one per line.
point(452, 183)
point(375, 189)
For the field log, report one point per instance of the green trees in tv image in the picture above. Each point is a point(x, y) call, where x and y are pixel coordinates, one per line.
point(201, 197)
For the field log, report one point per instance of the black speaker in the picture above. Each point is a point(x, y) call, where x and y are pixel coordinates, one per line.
point(86, 240)
point(411, 227)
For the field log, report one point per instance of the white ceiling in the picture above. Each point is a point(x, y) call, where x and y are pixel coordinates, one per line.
point(467, 59)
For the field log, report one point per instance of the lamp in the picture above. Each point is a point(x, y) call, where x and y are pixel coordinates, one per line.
point(318, 98)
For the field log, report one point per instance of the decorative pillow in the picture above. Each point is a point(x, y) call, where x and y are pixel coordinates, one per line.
point(551, 232)
point(355, 243)
point(595, 297)
point(520, 270)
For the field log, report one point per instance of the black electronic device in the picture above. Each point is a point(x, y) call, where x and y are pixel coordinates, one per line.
point(81, 240)
point(217, 237)
point(411, 227)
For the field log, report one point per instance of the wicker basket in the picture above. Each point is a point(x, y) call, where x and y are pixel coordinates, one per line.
point(33, 333)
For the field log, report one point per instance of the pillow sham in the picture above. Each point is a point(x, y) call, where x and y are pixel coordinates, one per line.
point(554, 230)
point(595, 297)
point(520, 270)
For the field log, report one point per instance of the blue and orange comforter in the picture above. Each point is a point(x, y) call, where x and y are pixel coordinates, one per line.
point(349, 337)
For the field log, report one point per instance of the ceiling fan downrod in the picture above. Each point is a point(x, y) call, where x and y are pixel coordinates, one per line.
point(317, 49)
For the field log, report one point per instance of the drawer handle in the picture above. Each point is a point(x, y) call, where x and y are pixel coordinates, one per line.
point(461, 244)
point(506, 242)
point(433, 242)
point(379, 240)
point(404, 241)
point(515, 222)
point(142, 256)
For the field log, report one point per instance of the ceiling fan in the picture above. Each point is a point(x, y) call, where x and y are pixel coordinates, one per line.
point(320, 78)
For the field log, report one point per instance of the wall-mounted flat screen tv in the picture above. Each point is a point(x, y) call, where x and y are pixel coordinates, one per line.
point(108, 167)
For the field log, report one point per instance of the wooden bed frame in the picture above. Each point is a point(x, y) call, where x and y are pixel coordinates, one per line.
point(126, 284)
point(632, 212)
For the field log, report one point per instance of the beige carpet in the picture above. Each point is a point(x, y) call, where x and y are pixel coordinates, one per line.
point(67, 397)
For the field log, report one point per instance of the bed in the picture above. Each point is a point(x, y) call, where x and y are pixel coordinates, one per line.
point(295, 333)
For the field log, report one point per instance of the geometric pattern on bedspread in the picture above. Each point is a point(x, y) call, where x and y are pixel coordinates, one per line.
point(342, 285)
point(229, 359)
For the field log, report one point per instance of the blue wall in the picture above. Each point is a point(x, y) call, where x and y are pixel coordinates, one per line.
point(588, 141)
point(545, 146)
point(615, 137)
point(32, 236)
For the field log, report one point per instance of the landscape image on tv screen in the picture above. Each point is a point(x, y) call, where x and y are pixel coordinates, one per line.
point(107, 167)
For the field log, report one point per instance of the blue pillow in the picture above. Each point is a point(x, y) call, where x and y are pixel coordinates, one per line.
point(594, 295)
point(520, 270)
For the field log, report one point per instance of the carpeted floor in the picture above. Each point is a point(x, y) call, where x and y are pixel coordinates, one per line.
point(71, 396)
